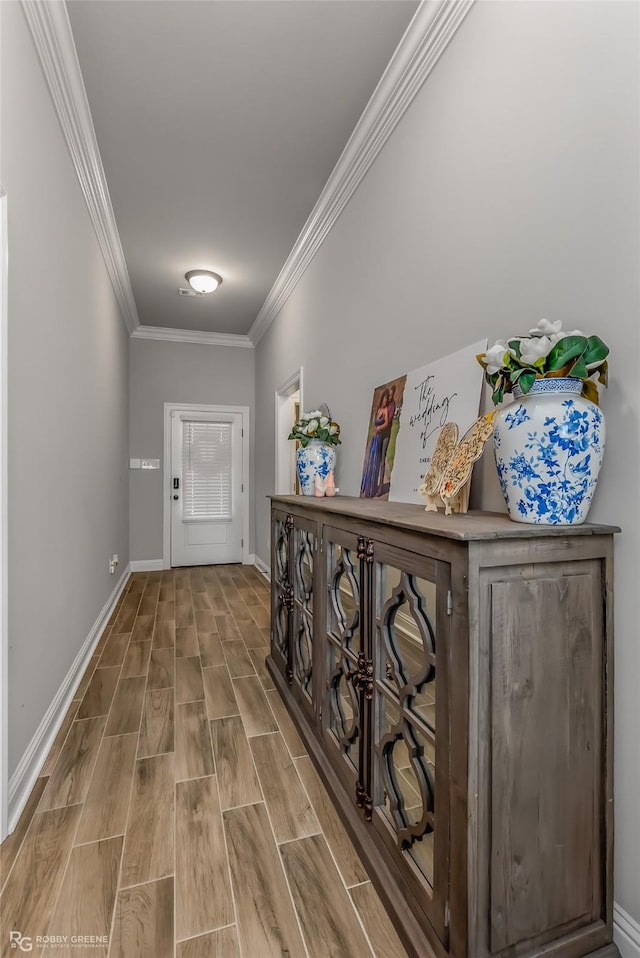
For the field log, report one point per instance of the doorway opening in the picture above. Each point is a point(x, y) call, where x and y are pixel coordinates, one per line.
point(289, 404)
point(206, 485)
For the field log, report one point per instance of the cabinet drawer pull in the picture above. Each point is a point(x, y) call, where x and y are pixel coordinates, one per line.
point(365, 549)
point(362, 676)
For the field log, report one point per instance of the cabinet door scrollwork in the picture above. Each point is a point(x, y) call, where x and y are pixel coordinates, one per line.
point(342, 715)
point(405, 711)
point(302, 599)
point(282, 594)
point(408, 782)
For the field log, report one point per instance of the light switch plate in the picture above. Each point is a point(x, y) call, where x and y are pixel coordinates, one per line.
point(134, 464)
point(150, 463)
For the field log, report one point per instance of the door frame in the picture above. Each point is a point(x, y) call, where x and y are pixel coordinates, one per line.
point(285, 451)
point(4, 531)
point(169, 409)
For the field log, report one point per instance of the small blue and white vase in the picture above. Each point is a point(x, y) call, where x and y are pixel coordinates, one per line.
point(317, 458)
point(549, 446)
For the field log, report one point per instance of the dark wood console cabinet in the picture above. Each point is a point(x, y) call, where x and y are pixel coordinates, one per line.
point(452, 680)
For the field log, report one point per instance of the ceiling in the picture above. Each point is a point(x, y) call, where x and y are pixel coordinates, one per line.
point(219, 123)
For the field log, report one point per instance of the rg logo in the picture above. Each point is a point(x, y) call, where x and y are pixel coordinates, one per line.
point(20, 941)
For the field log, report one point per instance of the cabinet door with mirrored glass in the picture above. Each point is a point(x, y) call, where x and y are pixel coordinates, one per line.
point(303, 577)
point(410, 721)
point(342, 721)
point(282, 591)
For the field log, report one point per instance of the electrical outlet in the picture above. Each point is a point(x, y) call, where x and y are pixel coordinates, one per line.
point(113, 563)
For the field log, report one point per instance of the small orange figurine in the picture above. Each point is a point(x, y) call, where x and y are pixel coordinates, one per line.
point(326, 487)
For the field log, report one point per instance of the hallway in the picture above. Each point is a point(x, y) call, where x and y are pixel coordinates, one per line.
point(178, 804)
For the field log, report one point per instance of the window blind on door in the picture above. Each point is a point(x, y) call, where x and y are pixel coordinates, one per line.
point(206, 470)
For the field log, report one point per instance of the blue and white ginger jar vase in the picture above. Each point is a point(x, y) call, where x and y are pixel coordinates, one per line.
point(318, 458)
point(549, 446)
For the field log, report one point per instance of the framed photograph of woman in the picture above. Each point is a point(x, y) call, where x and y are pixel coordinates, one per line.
point(384, 423)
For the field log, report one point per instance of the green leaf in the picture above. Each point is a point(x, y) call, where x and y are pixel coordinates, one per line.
point(323, 434)
point(515, 346)
point(579, 369)
point(596, 350)
point(498, 388)
point(565, 350)
point(498, 395)
point(526, 381)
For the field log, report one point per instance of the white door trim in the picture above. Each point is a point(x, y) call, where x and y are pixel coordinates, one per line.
point(169, 409)
point(4, 630)
point(282, 426)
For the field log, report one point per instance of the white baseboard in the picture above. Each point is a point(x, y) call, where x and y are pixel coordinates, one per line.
point(157, 565)
point(25, 775)
point(147, 565)
point(626, 933)
point(260, 565)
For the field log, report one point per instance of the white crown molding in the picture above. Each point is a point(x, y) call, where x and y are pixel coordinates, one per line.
point(626, 932)
point(171, 335)
point(424, 41)
point(51, 31)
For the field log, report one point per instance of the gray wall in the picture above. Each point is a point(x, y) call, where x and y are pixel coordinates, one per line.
point(177, 373)
point(508, 192)
point(68, 398)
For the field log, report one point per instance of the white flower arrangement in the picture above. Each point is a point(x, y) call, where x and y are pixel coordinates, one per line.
point(316, 425)
point(547, 352)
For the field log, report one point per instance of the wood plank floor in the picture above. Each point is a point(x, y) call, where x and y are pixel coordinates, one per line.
point(178, 814)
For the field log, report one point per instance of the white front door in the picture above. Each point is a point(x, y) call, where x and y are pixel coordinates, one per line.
point(206, 488)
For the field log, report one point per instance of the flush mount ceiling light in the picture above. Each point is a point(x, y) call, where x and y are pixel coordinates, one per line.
point(203, 280)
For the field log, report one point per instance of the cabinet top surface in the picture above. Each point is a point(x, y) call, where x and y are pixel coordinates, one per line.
point(406, 515)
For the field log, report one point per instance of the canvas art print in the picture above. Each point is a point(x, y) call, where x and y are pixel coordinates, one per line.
point(379, 454)
point(446, 390)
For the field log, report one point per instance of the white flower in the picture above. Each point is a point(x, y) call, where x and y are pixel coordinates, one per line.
point(538, 347)
point(554, 331)
point(313, 415)
point(333, 430)
point(496, 357)
point(312, 426)
point(324, 421)
point(556, 337)
point(545, 328)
